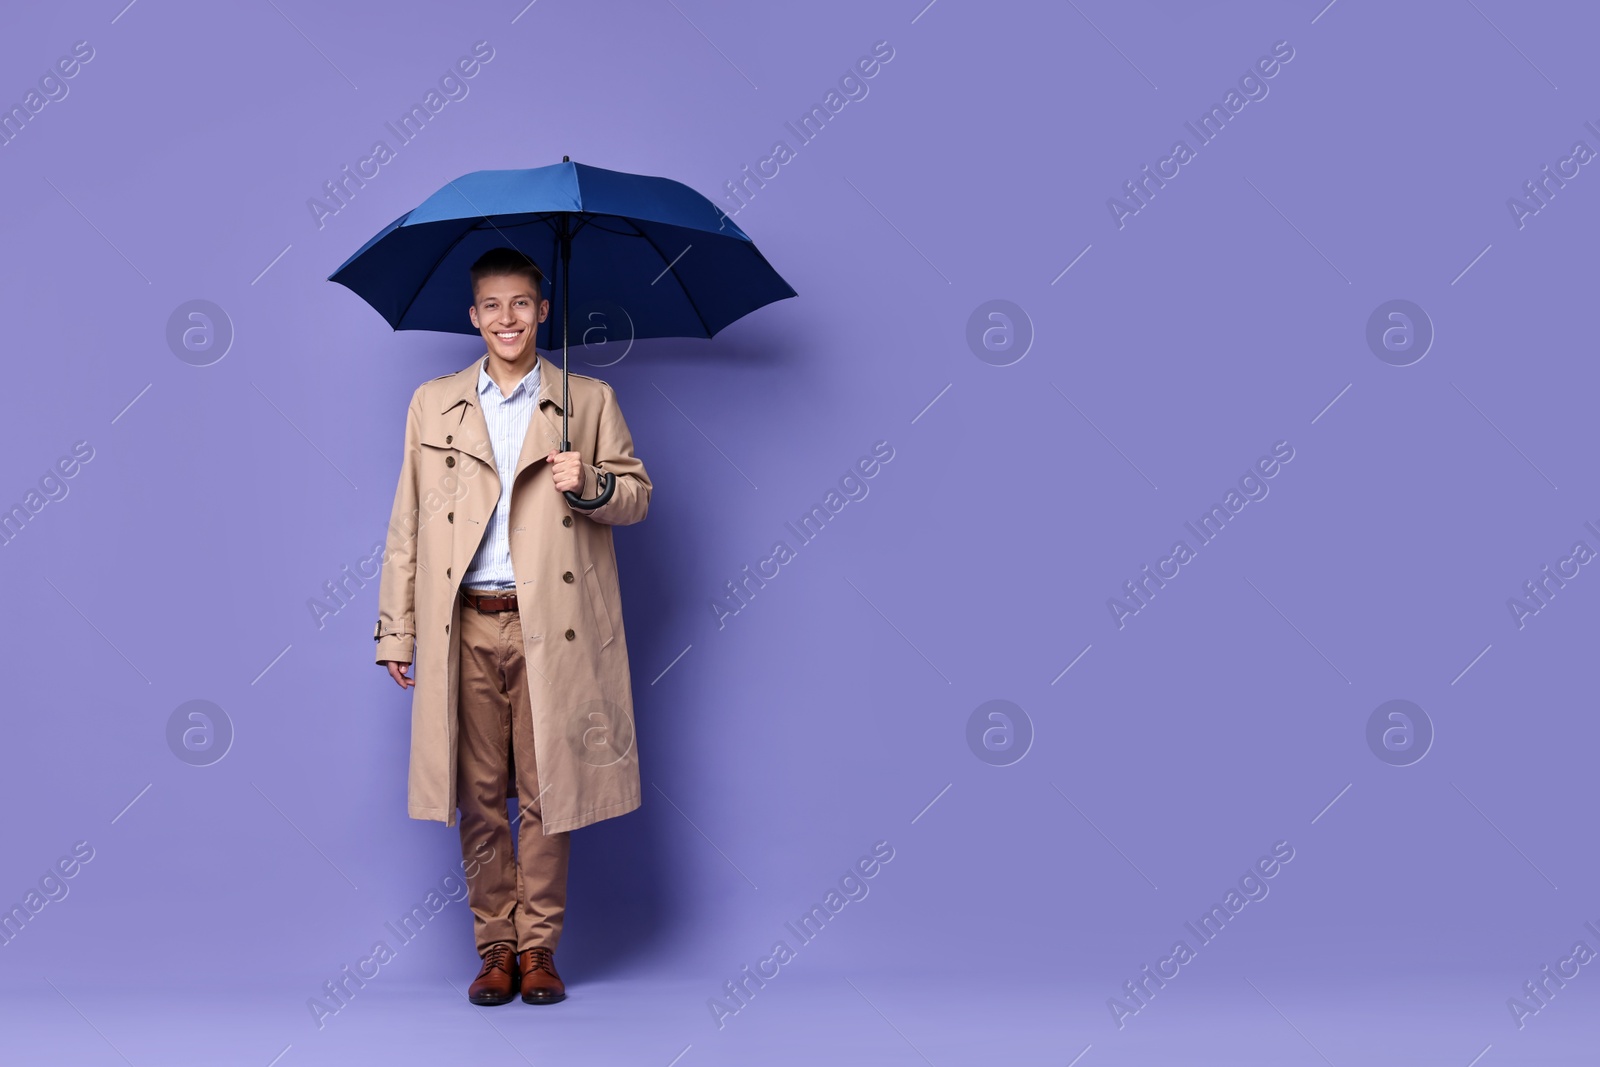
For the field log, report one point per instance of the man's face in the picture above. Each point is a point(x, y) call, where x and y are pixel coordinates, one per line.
point(507, 310)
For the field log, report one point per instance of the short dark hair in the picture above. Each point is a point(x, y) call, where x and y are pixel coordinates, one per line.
point(498, 261)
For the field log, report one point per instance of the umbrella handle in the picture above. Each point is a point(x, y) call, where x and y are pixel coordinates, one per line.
point(608, 485)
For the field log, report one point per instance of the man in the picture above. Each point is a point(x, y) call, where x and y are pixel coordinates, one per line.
point(510, 595)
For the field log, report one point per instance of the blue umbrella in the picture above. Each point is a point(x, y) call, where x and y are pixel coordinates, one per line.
point(670, 258)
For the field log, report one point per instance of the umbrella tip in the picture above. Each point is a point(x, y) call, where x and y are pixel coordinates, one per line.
point(564, 159)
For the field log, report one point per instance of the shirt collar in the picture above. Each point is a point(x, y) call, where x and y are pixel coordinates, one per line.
point(485, 383)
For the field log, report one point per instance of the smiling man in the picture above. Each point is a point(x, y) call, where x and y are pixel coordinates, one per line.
point(510, 595)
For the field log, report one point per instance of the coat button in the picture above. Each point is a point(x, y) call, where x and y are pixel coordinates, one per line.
point(450, 517)
point(570, 635)
point(567, 577)
point(448, 438)
point(449, 461)
point(446, 627)
point(447, 572)
point(566, 520)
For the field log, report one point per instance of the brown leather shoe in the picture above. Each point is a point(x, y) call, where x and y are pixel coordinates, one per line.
point(540, 982)
point(497, 981)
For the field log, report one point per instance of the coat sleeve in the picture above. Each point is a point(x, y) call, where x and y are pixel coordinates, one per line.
point(397, 627)
point(614, 453)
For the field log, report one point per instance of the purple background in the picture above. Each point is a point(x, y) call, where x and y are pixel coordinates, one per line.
point(1228, 314)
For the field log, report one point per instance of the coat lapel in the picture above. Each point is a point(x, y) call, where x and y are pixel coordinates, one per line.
point(544, 427)
point(472, 432)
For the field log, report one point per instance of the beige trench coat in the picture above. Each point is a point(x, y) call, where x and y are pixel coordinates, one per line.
point(568, 598)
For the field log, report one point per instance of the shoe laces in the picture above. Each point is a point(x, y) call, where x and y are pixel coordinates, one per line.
point(498, 955)
point(540, 959)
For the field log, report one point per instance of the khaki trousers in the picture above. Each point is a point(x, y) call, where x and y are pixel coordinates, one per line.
point(523, 899)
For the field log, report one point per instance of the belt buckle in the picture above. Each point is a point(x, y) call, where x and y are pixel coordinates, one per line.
point(477, 604)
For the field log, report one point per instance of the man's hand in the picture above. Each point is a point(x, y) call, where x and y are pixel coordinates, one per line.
point(397, 671)
point(567, 470)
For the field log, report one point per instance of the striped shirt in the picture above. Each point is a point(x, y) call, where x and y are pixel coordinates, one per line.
point(507, 418)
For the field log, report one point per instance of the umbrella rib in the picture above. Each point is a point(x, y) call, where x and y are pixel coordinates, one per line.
point(684, 289)
point(418, 292)
point(593, 220)
point(451, 248)
point(484, 222)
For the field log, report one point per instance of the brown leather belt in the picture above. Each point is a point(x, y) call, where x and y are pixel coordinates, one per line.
point(488, 603)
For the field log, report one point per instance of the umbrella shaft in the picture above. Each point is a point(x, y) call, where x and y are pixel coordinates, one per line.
point(566, 287)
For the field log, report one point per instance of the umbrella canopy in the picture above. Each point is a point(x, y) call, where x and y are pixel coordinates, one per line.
point(670, 259)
